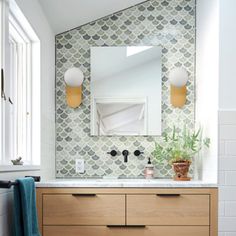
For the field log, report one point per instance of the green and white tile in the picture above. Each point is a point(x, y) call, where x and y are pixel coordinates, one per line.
point(169, 23)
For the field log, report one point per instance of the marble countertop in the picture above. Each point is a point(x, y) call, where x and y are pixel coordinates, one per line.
point(123, 183)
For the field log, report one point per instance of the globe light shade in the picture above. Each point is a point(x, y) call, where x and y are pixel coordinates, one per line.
point(74, 77)
point(178, 77)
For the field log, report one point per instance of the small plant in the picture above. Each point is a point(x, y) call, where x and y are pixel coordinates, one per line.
point(180, 146)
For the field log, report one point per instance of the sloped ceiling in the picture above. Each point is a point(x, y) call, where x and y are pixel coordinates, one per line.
point(64, 15)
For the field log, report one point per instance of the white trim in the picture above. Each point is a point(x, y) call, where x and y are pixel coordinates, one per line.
point(19, 17)
point(29, 43)
point(3, 47)
point(12, 168)
point(1, 67)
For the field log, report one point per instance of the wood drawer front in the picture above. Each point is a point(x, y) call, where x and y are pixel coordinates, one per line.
point(168, 209)
point(67, 209)
point(105, 231)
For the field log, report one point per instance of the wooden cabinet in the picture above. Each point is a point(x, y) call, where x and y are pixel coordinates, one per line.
point(83, 209)
point(125, 231)
point(127, 211)
point(168, 209)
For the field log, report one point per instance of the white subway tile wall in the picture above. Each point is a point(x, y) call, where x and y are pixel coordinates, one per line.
point(227, 173)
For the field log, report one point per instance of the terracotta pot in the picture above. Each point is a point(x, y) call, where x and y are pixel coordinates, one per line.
point(181, 170)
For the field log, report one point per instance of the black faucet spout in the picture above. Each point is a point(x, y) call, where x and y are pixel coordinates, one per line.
point(125, 153)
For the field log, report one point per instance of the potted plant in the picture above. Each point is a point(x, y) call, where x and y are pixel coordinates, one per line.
point(179, 148)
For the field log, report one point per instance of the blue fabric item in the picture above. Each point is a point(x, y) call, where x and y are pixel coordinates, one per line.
point(25, 212)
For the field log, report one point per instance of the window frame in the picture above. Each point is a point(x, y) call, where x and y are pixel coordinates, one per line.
point(12, 15)
point(23, 51)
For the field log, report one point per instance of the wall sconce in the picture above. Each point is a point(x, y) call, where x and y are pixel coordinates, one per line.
point(178, 79)
point(74, 78)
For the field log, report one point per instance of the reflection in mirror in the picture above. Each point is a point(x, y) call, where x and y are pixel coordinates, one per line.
point(125, 91)
point(120, 116)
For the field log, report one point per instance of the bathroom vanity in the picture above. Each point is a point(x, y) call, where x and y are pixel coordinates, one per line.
point(127, 207)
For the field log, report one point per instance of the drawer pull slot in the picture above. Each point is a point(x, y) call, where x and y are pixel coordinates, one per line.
point(84, 194)
point(126, 226)
point(168, 195)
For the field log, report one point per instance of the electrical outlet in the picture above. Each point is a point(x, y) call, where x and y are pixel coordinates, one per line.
point(79, 166)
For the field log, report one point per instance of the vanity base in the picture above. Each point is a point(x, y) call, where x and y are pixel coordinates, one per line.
point(126, 231)
point(127, 211)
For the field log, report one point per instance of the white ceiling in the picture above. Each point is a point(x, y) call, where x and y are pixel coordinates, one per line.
point(64, 15)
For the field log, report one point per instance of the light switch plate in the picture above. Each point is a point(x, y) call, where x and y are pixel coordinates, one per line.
point(79, 166)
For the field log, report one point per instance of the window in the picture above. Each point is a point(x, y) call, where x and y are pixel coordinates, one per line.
point(18, 122)
point(20, 78)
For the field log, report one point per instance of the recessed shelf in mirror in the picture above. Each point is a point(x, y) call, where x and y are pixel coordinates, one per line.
point(126, 91)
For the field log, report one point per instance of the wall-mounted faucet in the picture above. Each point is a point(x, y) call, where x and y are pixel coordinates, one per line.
point(125, 153)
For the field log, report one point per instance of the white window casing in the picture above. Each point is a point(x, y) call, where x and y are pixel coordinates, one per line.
point(20, 112)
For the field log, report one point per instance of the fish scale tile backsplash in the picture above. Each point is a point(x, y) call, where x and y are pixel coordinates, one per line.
point(169, 23)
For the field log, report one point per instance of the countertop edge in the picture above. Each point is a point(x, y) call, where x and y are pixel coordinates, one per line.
point(124, 185)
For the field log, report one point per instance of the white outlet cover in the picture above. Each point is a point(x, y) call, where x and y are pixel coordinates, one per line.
point(79, 166)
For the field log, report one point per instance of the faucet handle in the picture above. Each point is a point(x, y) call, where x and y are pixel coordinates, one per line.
point(137, 153)
point(125, 153)
point(112, 153)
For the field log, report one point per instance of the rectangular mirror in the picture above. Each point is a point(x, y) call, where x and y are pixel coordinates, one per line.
point(126, 91)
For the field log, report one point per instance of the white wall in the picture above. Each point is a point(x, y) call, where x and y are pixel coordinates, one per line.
point(33, 12)
point(227, 119)
point(206, 60)
point(207, 79)
point(227, 55)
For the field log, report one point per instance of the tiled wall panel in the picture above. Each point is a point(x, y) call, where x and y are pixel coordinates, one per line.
point(169, 23)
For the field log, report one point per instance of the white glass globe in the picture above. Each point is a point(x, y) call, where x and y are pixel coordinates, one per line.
point(178, 77)
point(74, 77)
